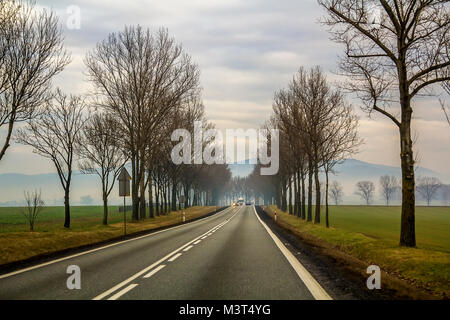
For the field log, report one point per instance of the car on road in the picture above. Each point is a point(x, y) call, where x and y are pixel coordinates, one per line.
point(248, 203)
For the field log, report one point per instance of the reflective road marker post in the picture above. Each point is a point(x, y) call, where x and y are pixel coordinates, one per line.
point(124, 191)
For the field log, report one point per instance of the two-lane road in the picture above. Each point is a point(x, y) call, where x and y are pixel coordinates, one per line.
point(231, 255)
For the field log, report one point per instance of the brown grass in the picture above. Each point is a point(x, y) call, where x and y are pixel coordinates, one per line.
point(16, 246)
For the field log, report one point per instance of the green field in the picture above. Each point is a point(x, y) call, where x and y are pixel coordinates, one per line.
point(371, 235)
point(51, 218)
point(18, 243)
point(380, 222)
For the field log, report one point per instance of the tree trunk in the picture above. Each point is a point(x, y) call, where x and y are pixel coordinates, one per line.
point(157, 199)
point(66, 208)
point(150, 197)
point(105, 210)
point(142, 206)
point(317, 184)
point(283, 196)
point(186, 196)
point(8, 136)
point(296, 202)
point(105, 198)
point(165, 198)
point(327, 222)
point(290, 195)
point(310, 182)
point(134, 189)
point(303, 196)
point(174, 195)
point(407, 231)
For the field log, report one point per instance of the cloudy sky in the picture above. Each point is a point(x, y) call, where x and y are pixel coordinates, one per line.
point(246, 49)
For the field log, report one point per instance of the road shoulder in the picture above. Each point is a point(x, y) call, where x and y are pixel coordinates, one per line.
point(339, 274)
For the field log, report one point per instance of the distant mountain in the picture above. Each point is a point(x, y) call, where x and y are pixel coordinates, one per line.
point(350, 171)
point(12, 186)
point(84, 187)
point(356, 168)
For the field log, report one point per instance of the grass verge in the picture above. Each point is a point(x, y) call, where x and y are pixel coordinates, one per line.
point(17, 244)
point(425, 269)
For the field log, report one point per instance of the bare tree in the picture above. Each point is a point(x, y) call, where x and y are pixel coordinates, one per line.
point(101, 153)
point(390, 59)
point(34, 206)
point(428, 187)
point(141, 77)
point(318, 129)
point(365, 189)
point(339, 140)
point(53, 135)
point(31, 54)
point(336, 192)
point(388, 187)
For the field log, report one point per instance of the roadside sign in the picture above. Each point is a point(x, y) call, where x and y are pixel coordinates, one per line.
point(124, 191)
point(124, 183)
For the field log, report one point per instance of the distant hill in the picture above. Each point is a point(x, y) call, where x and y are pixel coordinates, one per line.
point(356, 168)
point(350, 171)
point(85, 187)
point(12, 186)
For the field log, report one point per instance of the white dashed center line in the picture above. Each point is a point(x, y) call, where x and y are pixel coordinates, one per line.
point(170, 258)
point(148, 275)
point(174, 257)
point(123, 291)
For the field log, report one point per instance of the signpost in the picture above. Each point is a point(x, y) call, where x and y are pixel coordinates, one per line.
point(124, 191)
point(182, 200)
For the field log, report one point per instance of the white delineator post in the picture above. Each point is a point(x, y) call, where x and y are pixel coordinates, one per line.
point(275, 215)
point(184, 216)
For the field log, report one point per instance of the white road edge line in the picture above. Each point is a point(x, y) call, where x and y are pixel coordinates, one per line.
point(313, 286)
point(122, 292)
point(126, 281)
point(188, 248)
point(148, 275)
point(104, 247)
point(197, 242)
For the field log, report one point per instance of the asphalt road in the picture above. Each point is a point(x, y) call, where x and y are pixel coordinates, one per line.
point(230, 255)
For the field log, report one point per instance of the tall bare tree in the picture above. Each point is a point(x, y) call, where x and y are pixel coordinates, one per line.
point(53, 135)
point(365, 189)
point(339, 140)
point(388, 187)
point(141, 77)
point(31, 54)
point(101, 153)
point(316, 122)
point(428, 187)
point(391, 58)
